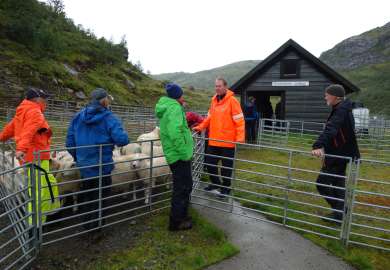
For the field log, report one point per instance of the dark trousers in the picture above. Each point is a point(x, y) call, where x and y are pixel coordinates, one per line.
point(182, 187)
point(250, 130)
point(337, 169)
point(223, 154)
point(92, 195)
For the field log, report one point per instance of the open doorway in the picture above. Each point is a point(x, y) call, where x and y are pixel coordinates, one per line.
point(270, 104)
point(267, 105)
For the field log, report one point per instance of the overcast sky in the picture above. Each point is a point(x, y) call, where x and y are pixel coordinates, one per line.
point(193, 35)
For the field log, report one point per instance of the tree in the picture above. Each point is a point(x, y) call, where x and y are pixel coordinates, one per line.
point(139, 66)
point(57, 6)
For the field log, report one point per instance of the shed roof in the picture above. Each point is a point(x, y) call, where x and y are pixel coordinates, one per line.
point(291, 44)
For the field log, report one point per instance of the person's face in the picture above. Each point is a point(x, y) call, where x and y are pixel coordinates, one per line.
point(105, 102)
point(42, 102)
point(331, 100)
point(220, 88)
point(181, 101)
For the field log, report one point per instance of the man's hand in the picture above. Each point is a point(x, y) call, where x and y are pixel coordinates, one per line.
point(197, 128)
point(318, 152)
point(20, 155)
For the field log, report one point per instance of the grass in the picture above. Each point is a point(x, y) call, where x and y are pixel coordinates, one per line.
point(375, 85)
point(159, 248)
point(272, 202)
point(371, 147)
point(22, 68)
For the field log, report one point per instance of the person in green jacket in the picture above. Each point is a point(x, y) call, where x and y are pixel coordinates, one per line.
point(177, 146)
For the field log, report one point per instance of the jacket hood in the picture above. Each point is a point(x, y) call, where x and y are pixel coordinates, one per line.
point(345, 105)
point(163, 104)
point(27, 105)
point(94, 112)
point(228, 94)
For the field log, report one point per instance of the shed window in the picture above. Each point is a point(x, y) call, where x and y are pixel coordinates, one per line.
point(290, 68)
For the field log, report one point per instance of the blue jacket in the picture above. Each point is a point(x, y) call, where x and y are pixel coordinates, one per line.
point(250, 112)
point(94, 125)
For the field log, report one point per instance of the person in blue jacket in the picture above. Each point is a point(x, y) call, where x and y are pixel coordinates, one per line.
point(95, 125)
point(251, 115)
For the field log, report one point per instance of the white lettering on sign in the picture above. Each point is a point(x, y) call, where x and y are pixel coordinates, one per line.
point(300, 83)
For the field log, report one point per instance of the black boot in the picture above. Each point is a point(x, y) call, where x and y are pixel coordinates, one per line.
point(180, 225)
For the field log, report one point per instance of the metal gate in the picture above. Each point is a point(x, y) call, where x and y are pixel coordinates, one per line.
point(17, 225)
point(273, 132)
point(271, 184)
point(279, 185)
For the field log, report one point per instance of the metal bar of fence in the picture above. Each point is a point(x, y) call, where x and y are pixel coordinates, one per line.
point(100, 184)
point(350, 194)
point(371, 217)
point(233, 175)
point(287, 187)
point(299, 223)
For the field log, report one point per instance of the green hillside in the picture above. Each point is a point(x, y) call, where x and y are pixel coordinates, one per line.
point(365, 60)
point(40, 46)
point(374, 82)
point(205, 79)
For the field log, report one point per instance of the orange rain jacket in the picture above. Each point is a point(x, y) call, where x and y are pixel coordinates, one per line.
point(225, 121)
point(30, 130)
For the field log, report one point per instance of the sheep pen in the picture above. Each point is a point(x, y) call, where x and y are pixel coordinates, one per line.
point(259, 185)
point(133, 195)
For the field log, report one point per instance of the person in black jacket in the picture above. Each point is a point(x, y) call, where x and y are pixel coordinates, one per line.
point(338, 138)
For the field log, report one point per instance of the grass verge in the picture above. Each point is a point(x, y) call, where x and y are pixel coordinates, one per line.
point(160, 249)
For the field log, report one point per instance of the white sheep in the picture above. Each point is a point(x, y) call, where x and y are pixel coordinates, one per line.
point(146, 149)
point(129, 149)
point(160, 172)
point(13, 181)
point(153, 135)
point(116, 152)
point(123, 173)
point(61, 155)
point(68, 178)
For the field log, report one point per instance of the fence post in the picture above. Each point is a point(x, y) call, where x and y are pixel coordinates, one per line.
point(32, 190)
point(287, 131)
point(287, 188)
point(150, 192)
point(37, 159)
point(349, 201)
point(260, 132)
point(233, 178)
point(100, 184)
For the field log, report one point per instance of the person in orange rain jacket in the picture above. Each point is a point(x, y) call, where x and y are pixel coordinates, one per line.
point(32, 134)
point(225, 122)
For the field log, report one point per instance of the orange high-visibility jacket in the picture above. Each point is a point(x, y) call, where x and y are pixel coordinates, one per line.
point(225, 121)
point(30, 130)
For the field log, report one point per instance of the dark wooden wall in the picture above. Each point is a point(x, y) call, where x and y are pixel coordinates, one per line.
point(302, 103)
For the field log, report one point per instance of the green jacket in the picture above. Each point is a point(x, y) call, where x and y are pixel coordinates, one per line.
point(175, 135)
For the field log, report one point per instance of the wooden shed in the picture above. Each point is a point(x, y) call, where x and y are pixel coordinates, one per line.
point(297, 77)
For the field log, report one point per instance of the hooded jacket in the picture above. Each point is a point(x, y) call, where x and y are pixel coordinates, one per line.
point(225, 121)
point(95, 125)
point(175, 135)
point(30, 130)
point(338, 137)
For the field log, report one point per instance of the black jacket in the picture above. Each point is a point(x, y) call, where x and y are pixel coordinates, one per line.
point(338, 137)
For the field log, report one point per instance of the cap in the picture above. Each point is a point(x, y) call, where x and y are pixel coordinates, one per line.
point(98, 94)
point(33, 92)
